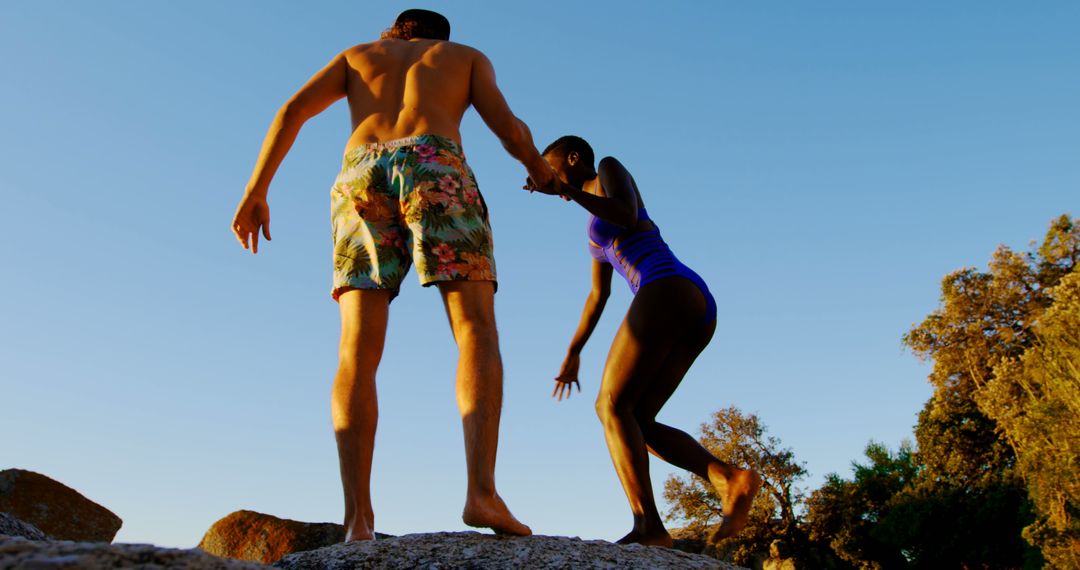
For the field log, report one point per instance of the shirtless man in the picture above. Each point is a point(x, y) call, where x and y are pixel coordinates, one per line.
point(405, 195)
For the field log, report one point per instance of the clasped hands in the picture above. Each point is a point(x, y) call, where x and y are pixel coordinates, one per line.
point(553, 186)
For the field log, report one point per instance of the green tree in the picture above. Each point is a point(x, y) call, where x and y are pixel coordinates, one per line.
point(741, 439)
point(849, 515)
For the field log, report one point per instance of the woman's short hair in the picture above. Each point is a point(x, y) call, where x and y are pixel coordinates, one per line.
point(571, 143)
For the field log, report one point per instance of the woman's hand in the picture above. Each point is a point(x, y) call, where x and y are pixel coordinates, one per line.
point(567, 378)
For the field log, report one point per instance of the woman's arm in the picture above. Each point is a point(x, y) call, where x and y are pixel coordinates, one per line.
point(590, 315)
point(594, 305)
point(619, 206)
point(322, 90)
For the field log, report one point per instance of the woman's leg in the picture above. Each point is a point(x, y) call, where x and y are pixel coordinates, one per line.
point(665, 442)
point(643, 343)
point(633, 359)
point(656, 344)
point(736, 487)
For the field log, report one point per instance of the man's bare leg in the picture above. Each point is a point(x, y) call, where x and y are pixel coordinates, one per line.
point(470, 306)
point(353, 402)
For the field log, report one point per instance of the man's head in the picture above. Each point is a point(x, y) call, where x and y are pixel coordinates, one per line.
point(571, 158)
point(419, 24)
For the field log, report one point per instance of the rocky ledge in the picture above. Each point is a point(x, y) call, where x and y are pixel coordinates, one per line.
point(22, 554)
point(45, 525)
point(441, 550)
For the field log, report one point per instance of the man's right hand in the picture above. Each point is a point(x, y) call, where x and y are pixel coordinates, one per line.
point(252, 216)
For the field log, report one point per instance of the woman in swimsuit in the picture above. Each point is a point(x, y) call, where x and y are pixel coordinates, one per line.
point(670, 321)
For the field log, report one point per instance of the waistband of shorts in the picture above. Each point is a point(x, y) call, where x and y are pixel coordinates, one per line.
point(436, 140)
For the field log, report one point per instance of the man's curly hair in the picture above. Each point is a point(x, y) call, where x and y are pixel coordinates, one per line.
point(416, 23)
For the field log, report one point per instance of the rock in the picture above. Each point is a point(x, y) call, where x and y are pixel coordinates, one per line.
point(694, 541)
point(58, 510)
point(21, 554)
point(248, 535)
point(445, 550)
point(12, 526)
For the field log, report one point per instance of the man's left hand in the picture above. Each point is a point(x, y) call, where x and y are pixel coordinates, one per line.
point(252, 217)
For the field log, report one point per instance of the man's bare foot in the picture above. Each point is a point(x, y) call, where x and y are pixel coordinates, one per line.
point(660, 538)
point(358, 534)
point(737, 489)
point(360, 531)
point(491, 512)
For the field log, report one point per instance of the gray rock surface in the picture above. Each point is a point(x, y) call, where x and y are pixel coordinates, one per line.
point(21, 554)
point(472, 550)
point(58, 510)
point(11, 526)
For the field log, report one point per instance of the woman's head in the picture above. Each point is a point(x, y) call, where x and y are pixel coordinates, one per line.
point(572, 159)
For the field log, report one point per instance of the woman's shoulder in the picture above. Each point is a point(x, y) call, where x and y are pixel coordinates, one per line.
point(612, 170)
point(610, 162)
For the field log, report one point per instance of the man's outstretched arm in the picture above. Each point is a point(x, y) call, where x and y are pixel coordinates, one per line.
point(512, 131)
point(322, 90)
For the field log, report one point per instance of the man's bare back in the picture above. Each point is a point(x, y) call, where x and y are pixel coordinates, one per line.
point(398, 88)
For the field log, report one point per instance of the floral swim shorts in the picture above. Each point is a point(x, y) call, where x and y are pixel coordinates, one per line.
point(411, 200)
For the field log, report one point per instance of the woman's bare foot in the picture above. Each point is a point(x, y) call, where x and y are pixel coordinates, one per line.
point(737, 489)
point(491, 512)
point(655, 538)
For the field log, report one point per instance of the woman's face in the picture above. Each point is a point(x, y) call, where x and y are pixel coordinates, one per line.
point(558, 164)
point(566, 167)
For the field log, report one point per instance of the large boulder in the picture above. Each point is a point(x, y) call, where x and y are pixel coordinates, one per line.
point(12, 526)
point(248, 535)
point(484, 551)
point(20, 554)
point(58, 510)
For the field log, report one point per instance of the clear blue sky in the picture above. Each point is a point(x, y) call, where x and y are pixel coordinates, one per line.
point(822, 165)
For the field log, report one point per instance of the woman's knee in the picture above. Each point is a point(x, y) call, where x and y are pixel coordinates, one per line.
point(603, 407)
point(609, 408)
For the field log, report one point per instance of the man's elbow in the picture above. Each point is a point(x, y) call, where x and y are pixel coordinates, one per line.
point(516, 138)
point(292, 114)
